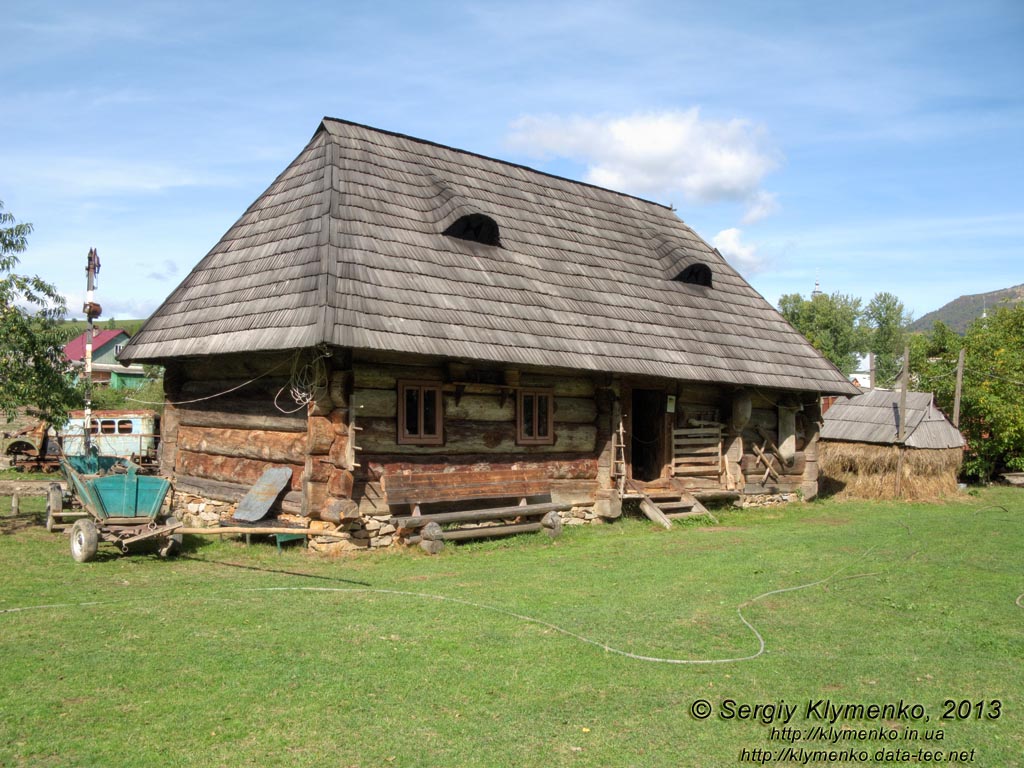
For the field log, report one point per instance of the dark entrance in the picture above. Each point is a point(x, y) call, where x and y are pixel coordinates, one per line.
point(647, 422)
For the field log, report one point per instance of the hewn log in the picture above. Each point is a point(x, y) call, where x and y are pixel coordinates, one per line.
point(378, 436)
point(168, 439)
point(574, 491)
point(715, 496)
point(373, 403)
point(261, 389)
point(320, 435)
point(381, 376)
point(340, 454)
point(339, 388)
point(565, 385)
point(238, 413)
point(380, 403)
point(230, 469)
point(340, 483)
point(266, 445)
point(314, 499)
point(751, 464)
point(424, 488)
point(479, 515)
point(239, 367)
point(551, 466)
point(318, 469)
point(339, 510)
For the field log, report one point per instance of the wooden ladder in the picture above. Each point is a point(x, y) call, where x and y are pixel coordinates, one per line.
point(619, 457)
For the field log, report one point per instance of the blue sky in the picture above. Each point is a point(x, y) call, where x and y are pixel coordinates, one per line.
point(877, 146)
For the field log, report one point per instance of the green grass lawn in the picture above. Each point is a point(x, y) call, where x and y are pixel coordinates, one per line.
point(235, 656)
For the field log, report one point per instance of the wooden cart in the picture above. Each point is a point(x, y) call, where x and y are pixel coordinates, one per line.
point(121, 506)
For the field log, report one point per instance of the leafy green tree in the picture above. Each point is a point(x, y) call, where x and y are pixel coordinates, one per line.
point(830, 323)
point(992, 400)
point(992, 413)
point(34, 373)
point(885, 324)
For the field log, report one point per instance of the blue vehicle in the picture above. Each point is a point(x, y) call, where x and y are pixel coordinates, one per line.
point(133, 435)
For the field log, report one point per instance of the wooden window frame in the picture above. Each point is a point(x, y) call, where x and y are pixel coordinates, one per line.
point(403, 437)
point(521, 436)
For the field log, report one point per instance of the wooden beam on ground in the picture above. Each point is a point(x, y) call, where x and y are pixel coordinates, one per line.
point(498, 513)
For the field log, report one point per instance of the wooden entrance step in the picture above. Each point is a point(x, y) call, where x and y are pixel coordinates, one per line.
point(663, 505)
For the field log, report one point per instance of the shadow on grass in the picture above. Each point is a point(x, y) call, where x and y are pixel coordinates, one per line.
point(11, 525)
point(278, 571)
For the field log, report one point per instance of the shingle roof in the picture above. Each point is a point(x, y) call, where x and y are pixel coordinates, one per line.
point(75, 349)
point(346, 248)
point(873, 417)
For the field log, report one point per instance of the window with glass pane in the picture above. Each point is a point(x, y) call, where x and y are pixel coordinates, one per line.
point(419, 413)
point(534, 417)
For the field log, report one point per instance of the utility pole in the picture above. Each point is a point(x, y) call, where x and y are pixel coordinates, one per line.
point(904, 382)
point(871, 369)
point(902, 432)
point(92, 310)
point(959, 388)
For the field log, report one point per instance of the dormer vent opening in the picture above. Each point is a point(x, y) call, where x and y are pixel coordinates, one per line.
point(695, 274)
point(476, 227)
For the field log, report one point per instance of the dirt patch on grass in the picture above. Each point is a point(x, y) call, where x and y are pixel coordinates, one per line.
point(13, 525)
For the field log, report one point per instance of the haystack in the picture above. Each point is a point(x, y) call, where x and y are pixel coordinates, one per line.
point(860, 455)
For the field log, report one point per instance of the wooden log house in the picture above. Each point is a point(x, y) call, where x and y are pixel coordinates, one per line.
point(413, 328)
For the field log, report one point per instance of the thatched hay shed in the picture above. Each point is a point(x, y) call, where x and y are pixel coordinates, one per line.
point(860, 455)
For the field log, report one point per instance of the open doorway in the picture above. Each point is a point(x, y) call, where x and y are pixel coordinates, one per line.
point(647, 419)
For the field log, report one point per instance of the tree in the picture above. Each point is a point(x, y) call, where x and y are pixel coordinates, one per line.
point(830, 323)
point(992, 400)
point(34, 374)
point(992, 412)
point(886, 329)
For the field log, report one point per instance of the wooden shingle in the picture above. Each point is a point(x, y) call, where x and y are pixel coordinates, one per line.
point(346, 247)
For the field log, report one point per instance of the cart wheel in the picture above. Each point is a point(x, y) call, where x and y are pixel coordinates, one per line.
point(84, 539)
point(170, 545)
point(54, 505)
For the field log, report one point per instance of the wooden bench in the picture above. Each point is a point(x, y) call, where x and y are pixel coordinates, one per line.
point(489, 520)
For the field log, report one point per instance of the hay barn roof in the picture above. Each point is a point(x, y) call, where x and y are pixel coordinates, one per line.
point(873, 417)
point(375, 240)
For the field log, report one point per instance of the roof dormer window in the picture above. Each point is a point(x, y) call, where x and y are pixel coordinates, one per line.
point(475, 227)
point(695, 274)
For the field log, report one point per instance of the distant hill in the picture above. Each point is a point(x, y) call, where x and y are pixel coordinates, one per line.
point(959, 313)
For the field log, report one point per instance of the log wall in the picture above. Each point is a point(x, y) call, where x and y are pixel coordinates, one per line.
point(223, 429)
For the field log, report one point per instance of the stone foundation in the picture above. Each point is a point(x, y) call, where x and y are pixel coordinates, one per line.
point(767, 500)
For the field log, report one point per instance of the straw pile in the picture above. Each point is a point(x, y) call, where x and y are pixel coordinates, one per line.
point(865, 471)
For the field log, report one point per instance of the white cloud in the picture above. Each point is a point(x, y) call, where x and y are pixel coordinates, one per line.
point(763, 205)
point(165, 270)
point(743, 258)
point(657, 154)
